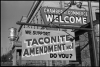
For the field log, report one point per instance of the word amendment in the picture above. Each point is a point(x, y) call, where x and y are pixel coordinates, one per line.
point(46, 45)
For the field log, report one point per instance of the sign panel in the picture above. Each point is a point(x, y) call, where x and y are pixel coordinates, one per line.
point(69, 17)
point(40, 44)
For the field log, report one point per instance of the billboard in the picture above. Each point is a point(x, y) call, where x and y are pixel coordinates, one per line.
point(40, 44)
point(69, 17)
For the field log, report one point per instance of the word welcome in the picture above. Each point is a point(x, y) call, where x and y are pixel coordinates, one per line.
point(66, 19)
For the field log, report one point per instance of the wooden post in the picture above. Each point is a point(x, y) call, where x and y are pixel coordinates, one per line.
point(17, 57)
point(50, 62)
point(14, 58)
point(93, 42)
point(47, 63)
point(18, 50)
point(20, 59)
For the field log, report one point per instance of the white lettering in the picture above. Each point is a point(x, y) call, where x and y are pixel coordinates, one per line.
point(84, 20)
point(45, 10)
point(56, 18)
point(52, 10)
point(78, 20)
point(61, 19)
point(72, 19)
point(69, 12)
point(65, 19)
point(86, 14)
point(49, 18)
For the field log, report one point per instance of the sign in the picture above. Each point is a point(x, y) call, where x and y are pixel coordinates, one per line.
point(40, 44)
point(69, 17)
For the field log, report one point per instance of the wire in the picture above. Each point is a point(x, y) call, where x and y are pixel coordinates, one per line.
point(84, 8)
point(60, 14)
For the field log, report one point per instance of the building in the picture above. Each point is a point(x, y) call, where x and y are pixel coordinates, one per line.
point(82, 42)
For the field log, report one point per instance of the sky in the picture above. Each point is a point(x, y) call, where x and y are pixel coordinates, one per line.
point(11, 12)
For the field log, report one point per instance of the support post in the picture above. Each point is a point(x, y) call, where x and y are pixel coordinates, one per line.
point(17, 57)
point(91, 49)
point(20, 58)
point(14, 58)
point(92, 35)
point(50, 62)
point(47, 64)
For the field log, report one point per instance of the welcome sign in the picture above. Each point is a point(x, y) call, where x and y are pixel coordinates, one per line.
point(69, 17)
point(47, 45)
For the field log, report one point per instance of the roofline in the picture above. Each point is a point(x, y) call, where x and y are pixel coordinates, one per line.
point(37, 4)
point(31, 12)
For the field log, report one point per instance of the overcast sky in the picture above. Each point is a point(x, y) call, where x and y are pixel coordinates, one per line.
point(11, 12)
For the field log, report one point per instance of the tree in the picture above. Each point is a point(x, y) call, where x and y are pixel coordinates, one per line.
point(7, 57)
point(3, 58)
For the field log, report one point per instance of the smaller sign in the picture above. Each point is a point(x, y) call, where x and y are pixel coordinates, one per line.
point(69, 17)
